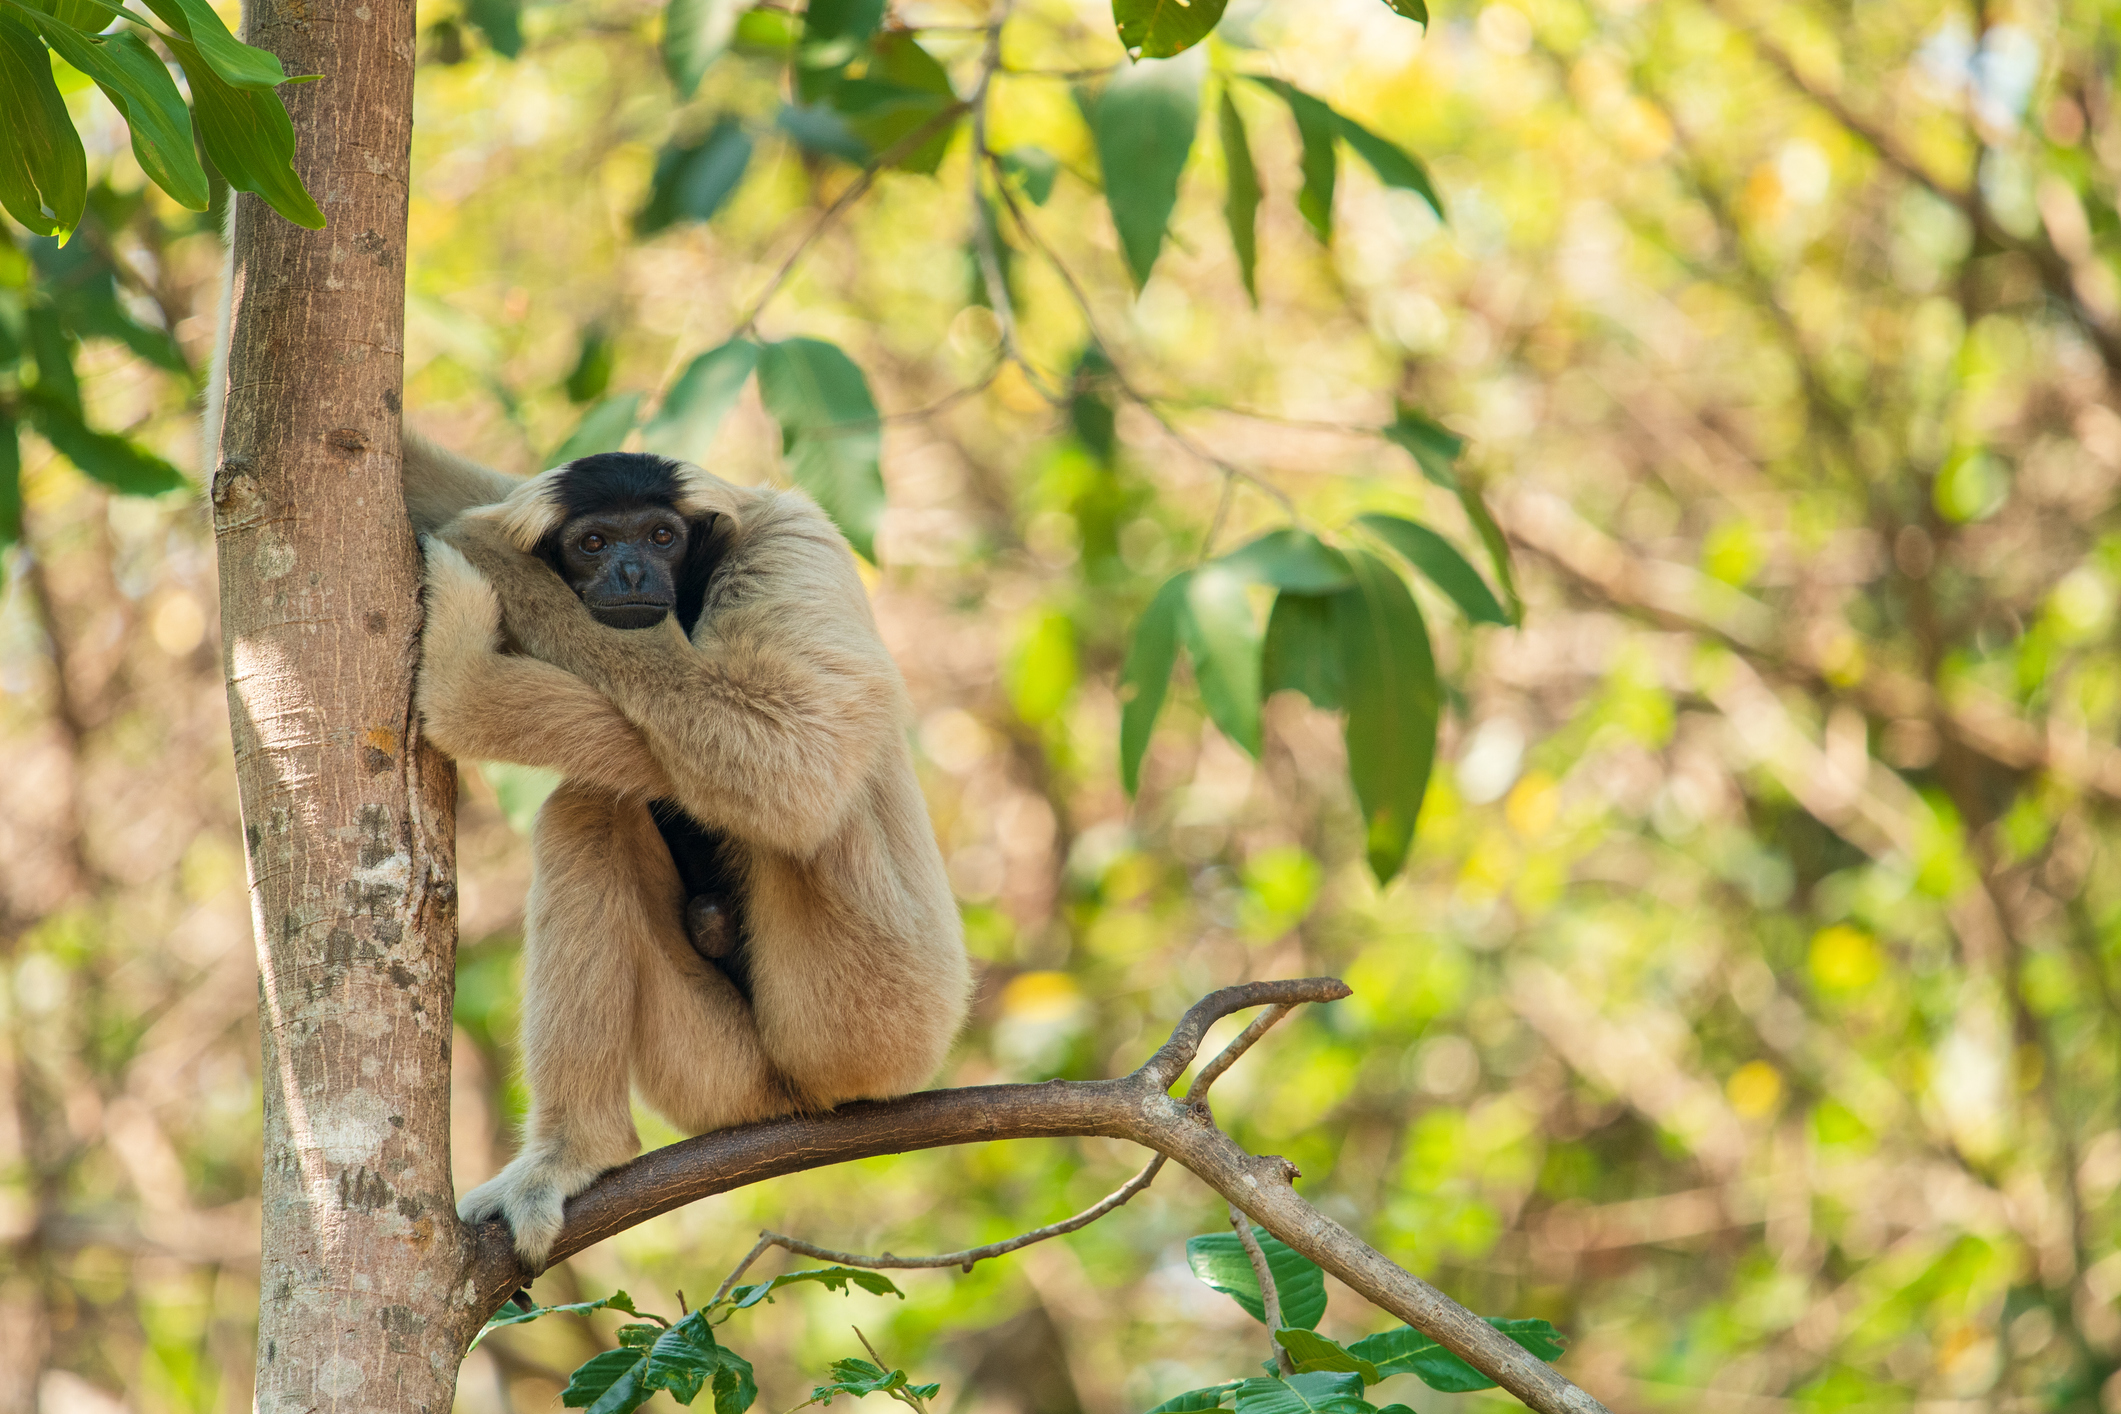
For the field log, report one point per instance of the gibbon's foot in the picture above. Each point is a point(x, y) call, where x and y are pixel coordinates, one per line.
point(530, 1195)
point(707, 925)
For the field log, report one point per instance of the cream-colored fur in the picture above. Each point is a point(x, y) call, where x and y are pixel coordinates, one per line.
point(781, 722)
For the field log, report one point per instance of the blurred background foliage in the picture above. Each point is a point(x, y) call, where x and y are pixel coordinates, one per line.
point(1749, 1006)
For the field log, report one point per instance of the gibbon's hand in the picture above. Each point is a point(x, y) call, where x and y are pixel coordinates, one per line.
point(523, 582)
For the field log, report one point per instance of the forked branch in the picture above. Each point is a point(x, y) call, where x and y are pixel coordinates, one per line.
point(1138, 1108)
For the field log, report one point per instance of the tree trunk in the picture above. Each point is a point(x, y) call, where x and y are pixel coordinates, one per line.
point(348, 818)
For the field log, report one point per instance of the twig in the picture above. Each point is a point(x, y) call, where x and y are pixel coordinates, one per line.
point(1269, 1293)
point(983, 243)
point(971, 1256)
point(1227, 1057)
point(903, 1396)
point(1119, 377)
point(840, 203)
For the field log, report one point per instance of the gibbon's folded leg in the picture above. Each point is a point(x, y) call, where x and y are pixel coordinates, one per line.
point(699, 1063)
point(602, 893)
point(480, 704)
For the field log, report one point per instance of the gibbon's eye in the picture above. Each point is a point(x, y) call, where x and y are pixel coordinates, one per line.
point(592, 543)
point(663, 535)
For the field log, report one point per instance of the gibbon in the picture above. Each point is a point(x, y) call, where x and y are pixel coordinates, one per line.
point(736, 903)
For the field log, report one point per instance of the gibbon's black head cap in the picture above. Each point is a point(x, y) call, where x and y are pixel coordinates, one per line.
point(616, 480)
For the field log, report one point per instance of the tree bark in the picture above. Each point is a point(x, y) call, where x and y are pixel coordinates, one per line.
point(348, 818)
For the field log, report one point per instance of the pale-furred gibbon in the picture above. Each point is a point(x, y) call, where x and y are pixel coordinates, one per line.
point(737, 906)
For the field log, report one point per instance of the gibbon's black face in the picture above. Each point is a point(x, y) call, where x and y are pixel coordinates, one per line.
point(624, 548)
point(624, 563)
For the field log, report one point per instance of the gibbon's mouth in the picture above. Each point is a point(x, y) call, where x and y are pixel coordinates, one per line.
point(639, 614)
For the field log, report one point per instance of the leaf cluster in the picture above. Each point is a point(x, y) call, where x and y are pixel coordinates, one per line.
point(1327, 1377)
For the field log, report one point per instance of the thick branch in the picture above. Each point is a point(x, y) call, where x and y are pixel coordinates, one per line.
point(1137, 1108)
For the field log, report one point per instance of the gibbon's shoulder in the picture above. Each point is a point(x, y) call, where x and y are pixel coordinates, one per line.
point(786, 558)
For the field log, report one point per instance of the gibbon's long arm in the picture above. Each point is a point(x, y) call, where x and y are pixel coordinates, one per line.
point(440, 485)
point(481, 704)
point(770, 721)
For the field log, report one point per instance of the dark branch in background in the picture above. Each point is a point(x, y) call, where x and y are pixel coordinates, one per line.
point(855, 189)
point(2059, 271)
point(1138, 1108)
point(1229, 469)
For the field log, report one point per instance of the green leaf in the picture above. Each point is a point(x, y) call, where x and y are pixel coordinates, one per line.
point(692, 412)
point(516, 1316)
point(695, 32)
point(1498, 548)
point(736, 1388)
point(1393, 701)
point(124, 467)
point(1222, 638)
point(819, 129)
point(1312, 1351)
point(501, 21)
point(859, 1377)
point(1406, 1351)
point(1146, 676)
point(687, 1358)
point(1241, 193)
point(1413, 10)
point(87, 16)
point(1434, 447)
point(237, 64)
point(1318, 125)
point(1034, 169)
point(54, 354)
point(248, 135)
point(768, 33)
point(83, 287)
point(1090, 415)
point(840, 1279)
point(692, 180)
point(842, 19)
point(140, 88)
point(903, 89)
point(42, 166)
point(830, 434)
point(1393, 165)
point(609, 1383)
point(1157, 29)
point(10, 482)
point(602, 429)
point(1319, 1393)
point(1437, 558)
point(1300, 652)
point(1144, 123)
point(591, 374)
point(1290, 559)
point(1218, 1259)
point(1194, 1401)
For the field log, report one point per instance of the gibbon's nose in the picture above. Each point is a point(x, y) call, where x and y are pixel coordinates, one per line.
point(631, 575)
